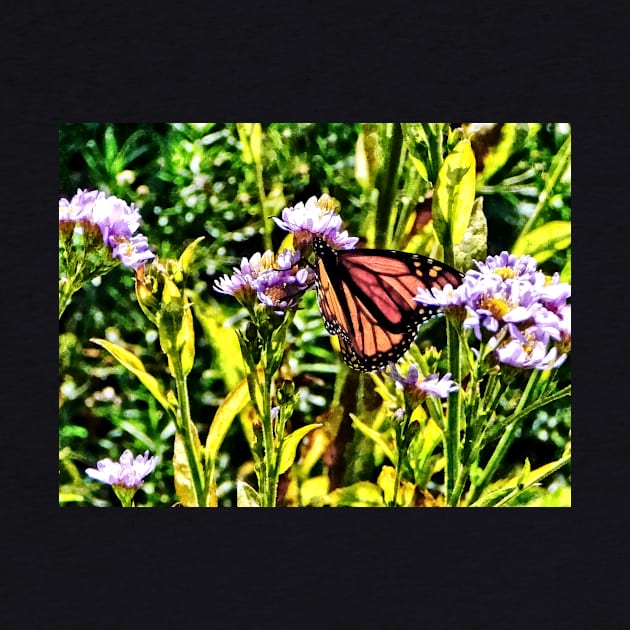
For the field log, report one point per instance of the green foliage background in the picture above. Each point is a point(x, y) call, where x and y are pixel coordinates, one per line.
point(198, 179)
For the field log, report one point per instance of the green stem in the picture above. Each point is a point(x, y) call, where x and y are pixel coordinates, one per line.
point(453, 417)
point(433, 133)
point(269, 484)
point(185, 431)
point(401, 447)
point(387, 185)
point(260, 183)
point(66, 291)
point(454, 413)
point(556, 170)
point(506, 439)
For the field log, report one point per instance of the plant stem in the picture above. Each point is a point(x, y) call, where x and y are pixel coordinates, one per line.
point(401, 447)
point(453, 420)
point(269, 485)
point(387, 185)
point(185, 431)
point(506, 439)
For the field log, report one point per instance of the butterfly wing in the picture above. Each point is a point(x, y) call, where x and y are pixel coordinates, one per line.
point(366, 298)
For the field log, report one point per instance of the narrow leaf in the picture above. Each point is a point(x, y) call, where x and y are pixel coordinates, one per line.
point(187, 255)
point(233, 404)
point(135, 366)
point(386, 480)
point(186, 340)
point(360, 494)
point(289, 446)
point(544, 241)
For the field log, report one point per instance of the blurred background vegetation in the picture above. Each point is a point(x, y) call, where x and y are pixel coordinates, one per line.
point(201, 179)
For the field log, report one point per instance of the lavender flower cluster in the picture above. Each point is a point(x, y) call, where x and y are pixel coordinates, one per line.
point(279, 281)
point(522, 313)
point(275, 280)
point(315, 218)
point(116, 221)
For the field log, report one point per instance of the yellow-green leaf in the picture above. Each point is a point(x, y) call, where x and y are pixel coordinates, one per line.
point(386, 480)
point(233, 404)
point(454, 194)
point(136, 367)
point(246, 496)
point(250, 135)
point(314, 488)
point(317, 444)
point(474, 245)
point(376, 437)
point(513, 137)
point(187, 255)
point(360, 494)
point(222, 338)
point(544, 241)
point(289, 446)
point(186, 341)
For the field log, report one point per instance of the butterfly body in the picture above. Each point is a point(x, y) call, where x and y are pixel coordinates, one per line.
point(366, 298)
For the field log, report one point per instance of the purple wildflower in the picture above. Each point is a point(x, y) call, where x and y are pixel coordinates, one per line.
point(133, 252)
point(444, 297)
point(127, 472)
point(521, 308)
point(315, 218)
point(419, 387)
point(508, 266)
point(276, 281)
point(116, 220)
point(532, 353)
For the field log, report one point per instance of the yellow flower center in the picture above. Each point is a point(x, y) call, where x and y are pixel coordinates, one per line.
point(498, 307)
point(505, 272)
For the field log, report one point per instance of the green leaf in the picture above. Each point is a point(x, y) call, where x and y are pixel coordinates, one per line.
point(543, 242)
point(454, 194)
point(376, 437)
point(418, 146)
point(136, 367)
point(233, 404)
point(186, 340)
point(513, 137)
point(246, 496)
point(386, 480)
point(474, 244)
point(289, 446)
point(222, 338)
point(502, 492)
point(561, 497)
point(187, 255)
point(360, 494)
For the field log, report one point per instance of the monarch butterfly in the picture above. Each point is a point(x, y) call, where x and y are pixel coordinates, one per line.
point(366, 298)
